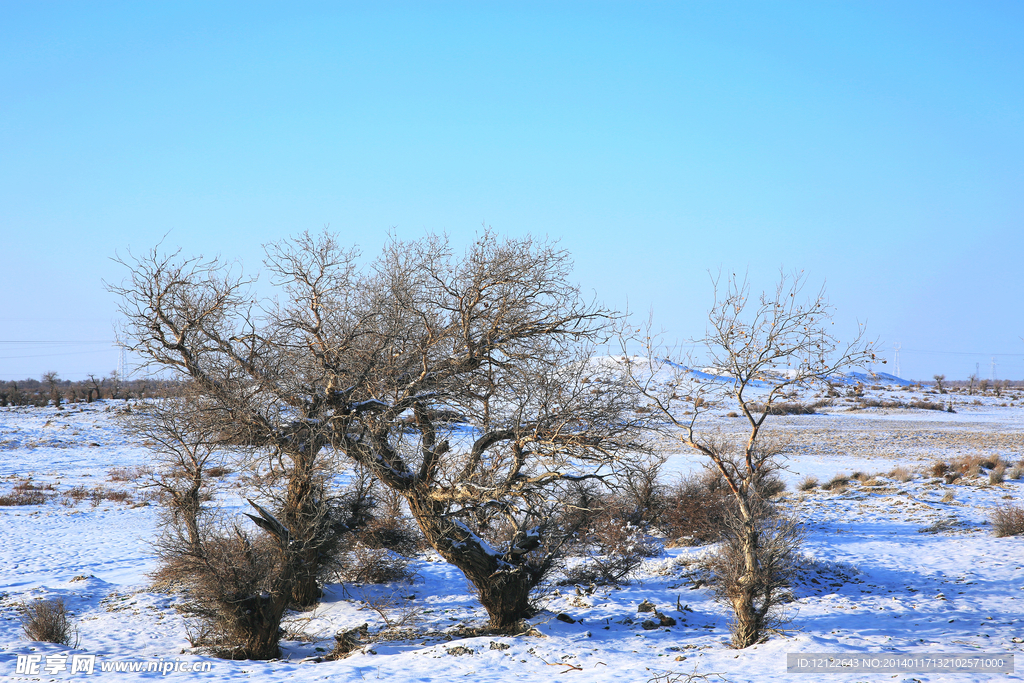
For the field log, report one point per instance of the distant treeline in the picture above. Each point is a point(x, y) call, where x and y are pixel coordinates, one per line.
point(51, 389)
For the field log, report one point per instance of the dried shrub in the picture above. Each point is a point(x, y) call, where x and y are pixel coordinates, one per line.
point(901, 473)
point(808, 483)
point(374, 565)
point(696, 508)
point(100, 494)
point(997, 475)
point(785, 408)
point(1016, 472)
point(129, 473)
point(1008, 520)
point(948, 497)
point(47, 621)
point(27, 492)
point(938, 468)
point(234, 591)
point(74, 495)
point(614, 545)
point(836, 483)
point(218, 471)
point(926, 405)
point(24, 496)
point(346, 642)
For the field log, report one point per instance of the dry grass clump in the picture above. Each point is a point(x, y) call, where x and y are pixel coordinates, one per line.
point(47, 621)
point(374, 565)
point(997, 475)
point(218, 471)
point(901, 473)
point(808, 483)
point(1008, 520)
point(1017, 471)
point(948, 497)
point(788, 408)
point(838, 482)
point(24, 492)
point(129, 473)
point(74, 495)
point(926, 405)
point(938, 468)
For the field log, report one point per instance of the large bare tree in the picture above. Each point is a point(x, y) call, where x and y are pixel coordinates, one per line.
point(757, 350)
point(466, 384)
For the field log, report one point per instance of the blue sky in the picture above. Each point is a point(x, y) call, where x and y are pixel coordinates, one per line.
point(879, 147)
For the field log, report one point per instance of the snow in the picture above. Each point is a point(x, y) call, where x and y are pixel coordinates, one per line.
point(887, 569)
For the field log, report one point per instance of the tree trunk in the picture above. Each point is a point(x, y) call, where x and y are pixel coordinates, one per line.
point(749, 622)
point(503, 588)
point(302, 516)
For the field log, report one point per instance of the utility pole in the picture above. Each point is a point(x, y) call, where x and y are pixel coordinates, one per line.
point(896, 359)
point(120, 358)
point(993, 377)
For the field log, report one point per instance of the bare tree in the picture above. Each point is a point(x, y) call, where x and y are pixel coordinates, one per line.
point(52, 381)
point(184, 442)
point(939, 379)
point(97, 386)
point(467, 385)
point(764, 348)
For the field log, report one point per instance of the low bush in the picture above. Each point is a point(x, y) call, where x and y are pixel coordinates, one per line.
point(808, 483)
point(26, 492)
point(901, 473)
point(1008, 520)
point(374, 565)
point(695, 509)
point(129, 473)
point(237, 591)
point(926, 405)
point(47, 621)
point(838, 482)
point(786, 408)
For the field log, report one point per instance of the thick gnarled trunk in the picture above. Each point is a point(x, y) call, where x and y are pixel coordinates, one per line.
point(502, 587)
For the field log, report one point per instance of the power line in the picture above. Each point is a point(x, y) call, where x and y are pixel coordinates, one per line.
point(966, 353)
point(55, 342)
point(52, 355)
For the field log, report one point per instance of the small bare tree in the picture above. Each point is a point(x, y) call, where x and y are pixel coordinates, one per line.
point(52, 381)
point(939, 379)
point(756, 347)
point(184, 443)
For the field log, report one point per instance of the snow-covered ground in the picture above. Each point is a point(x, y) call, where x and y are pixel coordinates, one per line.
point(889, 568)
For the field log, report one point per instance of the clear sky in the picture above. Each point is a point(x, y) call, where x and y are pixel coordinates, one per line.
point(878, 146)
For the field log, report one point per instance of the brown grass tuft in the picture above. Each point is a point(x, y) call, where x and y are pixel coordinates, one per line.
point(1008, 520)
point(47, 621)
